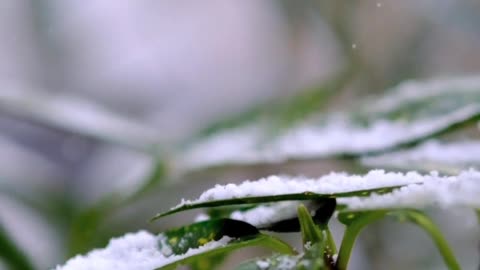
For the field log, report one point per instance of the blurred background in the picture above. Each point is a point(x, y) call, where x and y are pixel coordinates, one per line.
point(161, 72)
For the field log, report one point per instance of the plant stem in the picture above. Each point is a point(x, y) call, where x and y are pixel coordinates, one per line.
point(310, 232)
point(330, 241)
point(351, 233)
point(427, 224)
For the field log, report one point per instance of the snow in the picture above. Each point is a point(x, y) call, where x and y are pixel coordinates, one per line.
point(462, 154)
point(265, 215)
point(329, 184)
point(263, 265)
point(454, 191)
point(341, 137)
point(338, 135)
point(137, 251)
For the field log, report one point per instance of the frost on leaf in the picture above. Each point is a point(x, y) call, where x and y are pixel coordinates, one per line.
point(278, 188)
point(446, 157)
point(462, 190)
point(410, 113)
point(184, 245)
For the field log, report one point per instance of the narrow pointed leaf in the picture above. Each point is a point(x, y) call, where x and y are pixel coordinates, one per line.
point(11, 255)
point(460, 190)
point(76, 115)
point(310, 232)
point(305, 196)
point(284, 188)
point(180, 240)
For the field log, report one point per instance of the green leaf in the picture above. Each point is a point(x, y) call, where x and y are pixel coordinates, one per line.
point(404, 105)
point(432, 110)
point(179, 241)
point(196, 235)
point(77, 115)
point(424, 222)
point(357, 221)
point(310, 232)
point(11, 254)
point(306, 196)
point(209, 263)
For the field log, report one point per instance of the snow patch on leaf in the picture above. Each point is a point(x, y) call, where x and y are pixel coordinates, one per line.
point(338, 135)
point(138, 251)
point(454, 191)
point(452, 156)
point(329, 184)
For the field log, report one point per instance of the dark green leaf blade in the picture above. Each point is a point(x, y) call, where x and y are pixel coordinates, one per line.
point(178, 242)
point(11, 254)
point(305, 196)
point(195, 235)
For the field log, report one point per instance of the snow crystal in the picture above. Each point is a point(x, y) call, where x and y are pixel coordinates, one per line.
point(137, 251)
point(455, 191)
point(263, 264)
point(328, 184)
point(462, 154)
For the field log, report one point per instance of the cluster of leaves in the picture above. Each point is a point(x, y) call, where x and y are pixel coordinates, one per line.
point(320, 250)
point(453, 104)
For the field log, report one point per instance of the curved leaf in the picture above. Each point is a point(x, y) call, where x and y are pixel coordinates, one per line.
point(357, 221)
point(77, 115)
point(434, 155)
point(461, 190)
